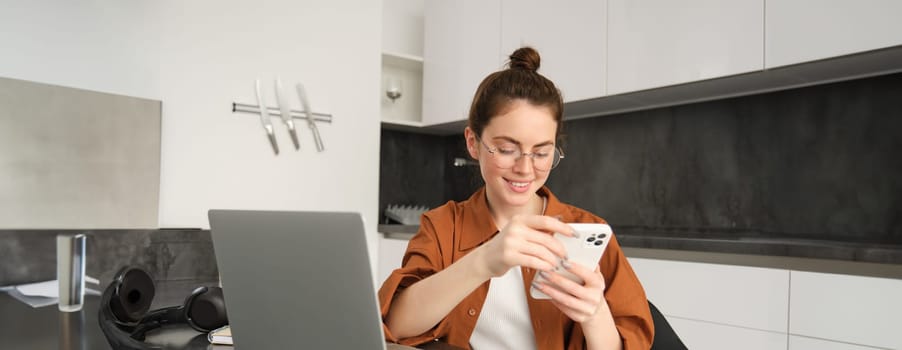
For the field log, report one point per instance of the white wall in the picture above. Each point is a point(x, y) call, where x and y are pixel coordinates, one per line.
point(200, 56)
point(101, 45)
point(215, 158)
point(391, 253)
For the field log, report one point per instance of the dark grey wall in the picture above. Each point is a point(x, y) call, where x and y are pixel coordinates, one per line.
point(417, 169)
point(178, 260)
point(818, 162)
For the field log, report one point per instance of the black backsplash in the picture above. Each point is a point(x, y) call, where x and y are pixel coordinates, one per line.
point(821, 162)
point(417, 169)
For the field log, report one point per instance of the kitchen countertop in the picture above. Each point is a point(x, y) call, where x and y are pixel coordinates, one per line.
point(24, 327)
point(870, 259)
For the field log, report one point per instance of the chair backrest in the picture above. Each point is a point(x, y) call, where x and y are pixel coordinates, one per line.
point(665, 337)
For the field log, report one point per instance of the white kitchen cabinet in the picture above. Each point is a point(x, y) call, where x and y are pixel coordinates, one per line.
point(402, 27)
point(741, 296)
point(799, 31)
point(570, 37)
point(701, 335)
point(805, 343)
point(710, 306)
point(850, 309)
point(461, 46)
point(656, 43)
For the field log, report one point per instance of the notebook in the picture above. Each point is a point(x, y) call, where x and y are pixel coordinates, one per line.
point(296, 280)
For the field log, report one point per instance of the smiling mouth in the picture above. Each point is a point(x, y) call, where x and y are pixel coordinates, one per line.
point(518, 184)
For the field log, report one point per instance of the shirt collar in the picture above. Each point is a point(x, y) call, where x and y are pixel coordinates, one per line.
point(478, 225)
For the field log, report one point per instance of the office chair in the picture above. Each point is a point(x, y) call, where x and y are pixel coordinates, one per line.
point(665, 337)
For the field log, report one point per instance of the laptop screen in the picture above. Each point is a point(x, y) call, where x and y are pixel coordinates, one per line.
point(296, 279)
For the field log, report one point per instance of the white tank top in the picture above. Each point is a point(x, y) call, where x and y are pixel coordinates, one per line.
point(504, 322)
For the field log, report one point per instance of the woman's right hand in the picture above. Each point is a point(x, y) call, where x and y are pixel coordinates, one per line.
point(526, 241)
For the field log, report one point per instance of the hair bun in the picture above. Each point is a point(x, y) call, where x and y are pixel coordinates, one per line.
point(525, 58)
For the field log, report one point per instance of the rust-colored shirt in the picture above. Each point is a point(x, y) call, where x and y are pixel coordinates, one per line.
point(449, 232)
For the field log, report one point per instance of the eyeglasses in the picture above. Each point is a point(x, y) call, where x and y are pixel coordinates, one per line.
point(507, 156)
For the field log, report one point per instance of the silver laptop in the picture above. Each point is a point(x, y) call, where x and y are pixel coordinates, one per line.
point(296, 280)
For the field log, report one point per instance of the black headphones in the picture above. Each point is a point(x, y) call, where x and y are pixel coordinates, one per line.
point(124, 316)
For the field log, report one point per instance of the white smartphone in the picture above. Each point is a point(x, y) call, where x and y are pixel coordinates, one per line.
point(584, 249)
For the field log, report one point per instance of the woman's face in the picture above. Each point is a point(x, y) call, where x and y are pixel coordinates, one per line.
point(521, 127)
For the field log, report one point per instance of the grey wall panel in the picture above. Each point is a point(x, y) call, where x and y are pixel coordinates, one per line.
point(821, 162)
point(72, 158)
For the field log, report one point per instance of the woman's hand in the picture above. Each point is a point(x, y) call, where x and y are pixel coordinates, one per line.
point(526, 241)
point(580, 302)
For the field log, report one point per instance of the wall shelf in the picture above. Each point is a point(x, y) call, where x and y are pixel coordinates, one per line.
point(404, 112)
point(403, 61)
point(404, 125)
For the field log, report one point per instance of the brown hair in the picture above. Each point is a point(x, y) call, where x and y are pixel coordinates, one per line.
point(520, 81)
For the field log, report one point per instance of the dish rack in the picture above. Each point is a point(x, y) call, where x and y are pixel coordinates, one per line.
point(405, 214)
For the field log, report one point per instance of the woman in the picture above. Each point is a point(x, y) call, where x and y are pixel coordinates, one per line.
point(465, 282)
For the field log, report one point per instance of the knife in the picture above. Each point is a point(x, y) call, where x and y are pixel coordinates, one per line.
point(264, 119)
point(302, 94)
point(282, 99)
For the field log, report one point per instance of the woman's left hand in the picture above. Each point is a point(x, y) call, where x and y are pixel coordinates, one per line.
point(580, 302)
